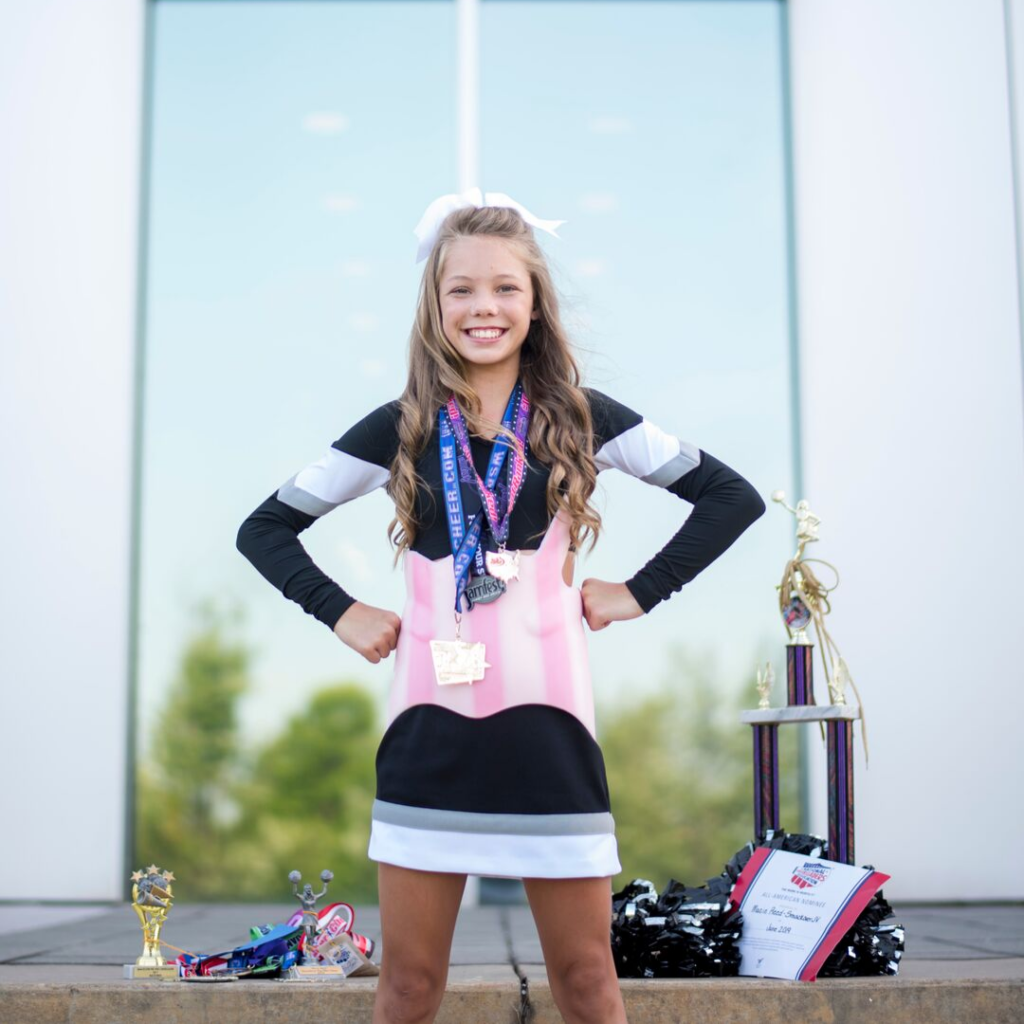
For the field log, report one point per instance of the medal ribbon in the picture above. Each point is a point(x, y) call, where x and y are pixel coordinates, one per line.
point(465, 540)
point(517, 468)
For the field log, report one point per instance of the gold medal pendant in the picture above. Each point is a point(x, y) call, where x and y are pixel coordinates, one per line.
point(502, 564)
point(457, 661)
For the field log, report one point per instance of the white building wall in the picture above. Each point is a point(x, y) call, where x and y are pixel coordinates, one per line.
point(911, 382)
point(912, 420)
point(70, 120)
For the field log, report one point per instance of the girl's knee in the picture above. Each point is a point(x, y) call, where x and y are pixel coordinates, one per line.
point(589, 981)
point(411, 990)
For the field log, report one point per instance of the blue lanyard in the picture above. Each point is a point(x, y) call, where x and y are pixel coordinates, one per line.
point(465, 540)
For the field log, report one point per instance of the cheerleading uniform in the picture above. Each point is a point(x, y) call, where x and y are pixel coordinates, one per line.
point(502, 777)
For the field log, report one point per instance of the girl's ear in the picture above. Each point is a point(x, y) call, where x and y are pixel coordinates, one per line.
point(535, 315)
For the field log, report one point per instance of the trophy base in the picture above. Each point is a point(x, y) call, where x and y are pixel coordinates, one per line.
point(315, 972)
point(149, 972)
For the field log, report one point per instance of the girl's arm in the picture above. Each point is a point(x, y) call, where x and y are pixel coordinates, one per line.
point(356, 464)
point(725, 504)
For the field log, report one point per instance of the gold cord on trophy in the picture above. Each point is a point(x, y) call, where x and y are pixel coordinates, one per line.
point(800, 580)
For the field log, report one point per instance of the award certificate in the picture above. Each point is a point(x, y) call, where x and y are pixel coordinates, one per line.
point(796, 909)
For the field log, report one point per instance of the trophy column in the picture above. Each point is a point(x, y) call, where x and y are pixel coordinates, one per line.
point(766, 779)
point(800, 670)
point(840, 790)
point(838, 719)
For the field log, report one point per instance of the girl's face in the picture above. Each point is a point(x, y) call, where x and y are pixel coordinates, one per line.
point(486, 299)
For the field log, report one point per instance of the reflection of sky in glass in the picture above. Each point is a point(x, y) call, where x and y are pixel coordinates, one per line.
point(296, 145)
point(655, 130)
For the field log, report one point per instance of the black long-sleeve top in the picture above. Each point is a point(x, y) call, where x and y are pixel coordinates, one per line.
point(725, 504)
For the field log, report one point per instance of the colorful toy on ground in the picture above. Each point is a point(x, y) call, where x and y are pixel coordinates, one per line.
point(274, 949)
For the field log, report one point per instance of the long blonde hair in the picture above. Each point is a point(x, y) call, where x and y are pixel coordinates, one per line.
point(561, 428)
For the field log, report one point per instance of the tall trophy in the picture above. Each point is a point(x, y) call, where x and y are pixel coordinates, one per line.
point(803, 602)
point(152, 899)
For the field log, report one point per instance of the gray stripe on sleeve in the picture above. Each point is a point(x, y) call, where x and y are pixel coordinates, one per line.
point(302, 500)
point(687, 459)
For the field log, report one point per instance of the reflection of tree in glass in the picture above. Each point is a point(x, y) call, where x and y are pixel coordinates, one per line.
point(184, 797)
point(309, 797)
point(678, 766)
point(236, 822)
point(680, 775)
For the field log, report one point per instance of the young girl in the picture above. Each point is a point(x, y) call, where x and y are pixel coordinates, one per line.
point(489, 763)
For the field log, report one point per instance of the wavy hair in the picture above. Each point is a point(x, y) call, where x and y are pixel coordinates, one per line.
point(561, 428)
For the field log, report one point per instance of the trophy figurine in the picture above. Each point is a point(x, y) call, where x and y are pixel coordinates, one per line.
point(765, 682)
point(152, 899)
point(800, 599)
point(837, 684)
point(308, 900)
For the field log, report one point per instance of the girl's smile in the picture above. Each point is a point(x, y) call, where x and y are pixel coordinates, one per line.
point(485, 335)
point(486, 298)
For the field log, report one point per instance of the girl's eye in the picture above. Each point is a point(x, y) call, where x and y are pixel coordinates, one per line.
point(460, 290)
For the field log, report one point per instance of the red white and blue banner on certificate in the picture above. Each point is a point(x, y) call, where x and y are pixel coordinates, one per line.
point(796, 909)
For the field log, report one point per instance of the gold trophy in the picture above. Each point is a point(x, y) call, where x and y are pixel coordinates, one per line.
point(152, 899)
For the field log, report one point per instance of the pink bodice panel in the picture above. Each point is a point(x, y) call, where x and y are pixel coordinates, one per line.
point(533, 635)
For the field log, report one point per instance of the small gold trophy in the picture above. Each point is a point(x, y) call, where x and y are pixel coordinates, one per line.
point(152, 899)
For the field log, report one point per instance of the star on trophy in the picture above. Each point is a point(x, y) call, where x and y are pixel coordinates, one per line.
point(152, 899)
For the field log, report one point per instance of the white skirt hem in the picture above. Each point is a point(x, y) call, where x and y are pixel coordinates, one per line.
point(495, 855)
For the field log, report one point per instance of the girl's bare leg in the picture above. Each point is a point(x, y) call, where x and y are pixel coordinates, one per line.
point(417, 916)
point(574, 920)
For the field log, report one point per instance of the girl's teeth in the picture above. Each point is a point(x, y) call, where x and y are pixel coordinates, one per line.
point(485, 333)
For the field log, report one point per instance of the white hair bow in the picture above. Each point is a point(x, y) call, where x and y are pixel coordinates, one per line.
point(430, 223)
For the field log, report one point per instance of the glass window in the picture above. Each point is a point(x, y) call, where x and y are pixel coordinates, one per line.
point(656, 131)
point(293, 149)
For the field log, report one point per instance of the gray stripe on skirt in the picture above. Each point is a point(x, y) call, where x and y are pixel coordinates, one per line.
point(435, 820)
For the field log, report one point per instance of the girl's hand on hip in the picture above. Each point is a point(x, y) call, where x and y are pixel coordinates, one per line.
point(605, 603)
point(371, 632)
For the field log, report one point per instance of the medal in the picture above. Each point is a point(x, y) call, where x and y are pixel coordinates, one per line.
point(457, 661)
point(484, 589)
point(503, 564)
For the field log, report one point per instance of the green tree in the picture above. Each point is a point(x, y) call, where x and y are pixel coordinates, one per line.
point(679, 767)
point(185, 790)
point(307, 804)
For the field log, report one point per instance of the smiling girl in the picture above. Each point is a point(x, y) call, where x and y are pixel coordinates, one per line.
point(489, 763)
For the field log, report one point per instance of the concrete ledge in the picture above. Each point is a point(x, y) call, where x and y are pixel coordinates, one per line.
point(481, 1001)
